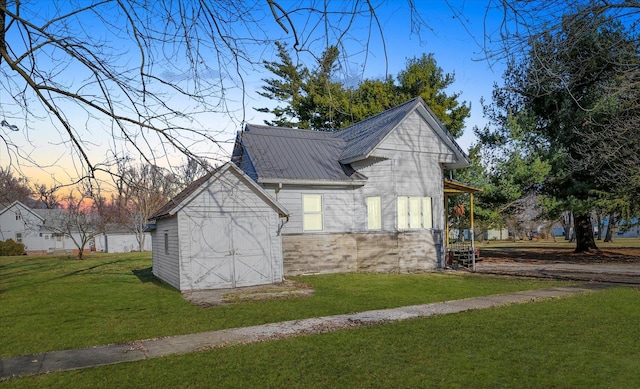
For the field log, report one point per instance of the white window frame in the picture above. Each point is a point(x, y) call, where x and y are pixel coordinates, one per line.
point(311, 213)
point(374, 213)
point(414, 212)
point(18, 237)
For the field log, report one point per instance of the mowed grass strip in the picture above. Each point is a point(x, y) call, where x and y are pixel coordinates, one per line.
point(574, 342)
point(54, 303)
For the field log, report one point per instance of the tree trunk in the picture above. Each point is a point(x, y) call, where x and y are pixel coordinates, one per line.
point(584, 233)
point(600, 225)
point(611, 227)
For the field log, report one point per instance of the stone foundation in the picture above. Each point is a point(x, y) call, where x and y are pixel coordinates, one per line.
point(381, 252)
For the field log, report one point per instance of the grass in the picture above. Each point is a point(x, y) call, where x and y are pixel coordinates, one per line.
point(581, 341)
point(53, 303)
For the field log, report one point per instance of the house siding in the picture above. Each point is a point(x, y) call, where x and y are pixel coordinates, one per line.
point(408, 162)
point(166, 265)
point(338, 207)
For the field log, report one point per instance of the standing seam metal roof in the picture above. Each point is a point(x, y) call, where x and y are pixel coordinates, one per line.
point(294, 154)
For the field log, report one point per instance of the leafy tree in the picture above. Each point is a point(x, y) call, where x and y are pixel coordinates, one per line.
point(316, 99)
point(423, 77)
point(558, 92)
point(286, 88)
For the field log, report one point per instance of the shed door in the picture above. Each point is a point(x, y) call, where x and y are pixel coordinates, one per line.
point(252, 254)
point(230, 251)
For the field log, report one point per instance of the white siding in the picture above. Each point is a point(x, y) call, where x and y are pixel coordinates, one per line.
point(121, 242)
point(338, 207)
point(28, 225)
point(166, 266)
point(414, 135)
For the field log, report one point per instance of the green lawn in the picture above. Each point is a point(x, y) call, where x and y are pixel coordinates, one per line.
point(575, 342)
point(53, 303)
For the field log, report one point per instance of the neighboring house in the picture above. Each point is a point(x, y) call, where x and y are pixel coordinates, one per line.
point(120, 240)
point(34, 228)
point(17, 222)
point(368, 198)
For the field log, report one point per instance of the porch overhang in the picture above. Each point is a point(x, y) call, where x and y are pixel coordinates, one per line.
point(453, 188)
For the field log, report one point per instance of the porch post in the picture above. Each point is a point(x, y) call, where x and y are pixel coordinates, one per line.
point(473, 244)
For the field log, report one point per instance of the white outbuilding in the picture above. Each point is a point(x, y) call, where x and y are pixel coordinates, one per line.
point(222, 231)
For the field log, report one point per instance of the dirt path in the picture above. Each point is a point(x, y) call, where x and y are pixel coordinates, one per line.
point(619, 265)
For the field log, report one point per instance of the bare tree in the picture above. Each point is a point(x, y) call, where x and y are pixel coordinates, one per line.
point(77, 221)
point(149, 74)
point(13, 188)
point(46, 195)
point(148, 188)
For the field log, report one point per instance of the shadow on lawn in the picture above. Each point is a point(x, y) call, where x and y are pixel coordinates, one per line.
point(146, 275)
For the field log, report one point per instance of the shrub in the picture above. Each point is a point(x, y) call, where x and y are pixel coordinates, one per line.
point(11, 248)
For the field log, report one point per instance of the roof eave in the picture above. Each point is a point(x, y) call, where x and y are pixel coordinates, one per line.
point(295, 181)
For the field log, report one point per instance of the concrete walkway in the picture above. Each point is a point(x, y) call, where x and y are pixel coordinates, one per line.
point(153, 348)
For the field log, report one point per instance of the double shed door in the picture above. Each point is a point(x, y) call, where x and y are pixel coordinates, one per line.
point(228, 251)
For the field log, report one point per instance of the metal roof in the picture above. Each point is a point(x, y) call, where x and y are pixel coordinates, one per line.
point(364, 136)
point(286, 155)
point(290, 155)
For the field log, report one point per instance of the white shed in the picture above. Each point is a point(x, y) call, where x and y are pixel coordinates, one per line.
point(222, 231)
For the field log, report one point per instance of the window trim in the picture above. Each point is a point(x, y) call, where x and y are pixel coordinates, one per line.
point(306, 213)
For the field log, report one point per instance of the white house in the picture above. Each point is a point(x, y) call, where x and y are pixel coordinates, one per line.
point(368, 198)
point(34, 229)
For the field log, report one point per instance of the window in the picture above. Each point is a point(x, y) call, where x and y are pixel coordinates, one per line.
point(18, 215)
point(374, 214)
point(19, 237)
point(166, 242)
point(427, 213)
point(46, 237)
point(414, 213)
point(312, 212)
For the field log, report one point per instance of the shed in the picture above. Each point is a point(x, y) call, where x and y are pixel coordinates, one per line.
point(222, 231)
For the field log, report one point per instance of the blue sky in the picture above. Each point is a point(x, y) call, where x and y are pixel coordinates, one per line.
point(456, 45)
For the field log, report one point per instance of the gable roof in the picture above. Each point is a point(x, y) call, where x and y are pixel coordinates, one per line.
point(20, 205)
point(183, 198)
point(364, 136)
point(284, 155)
